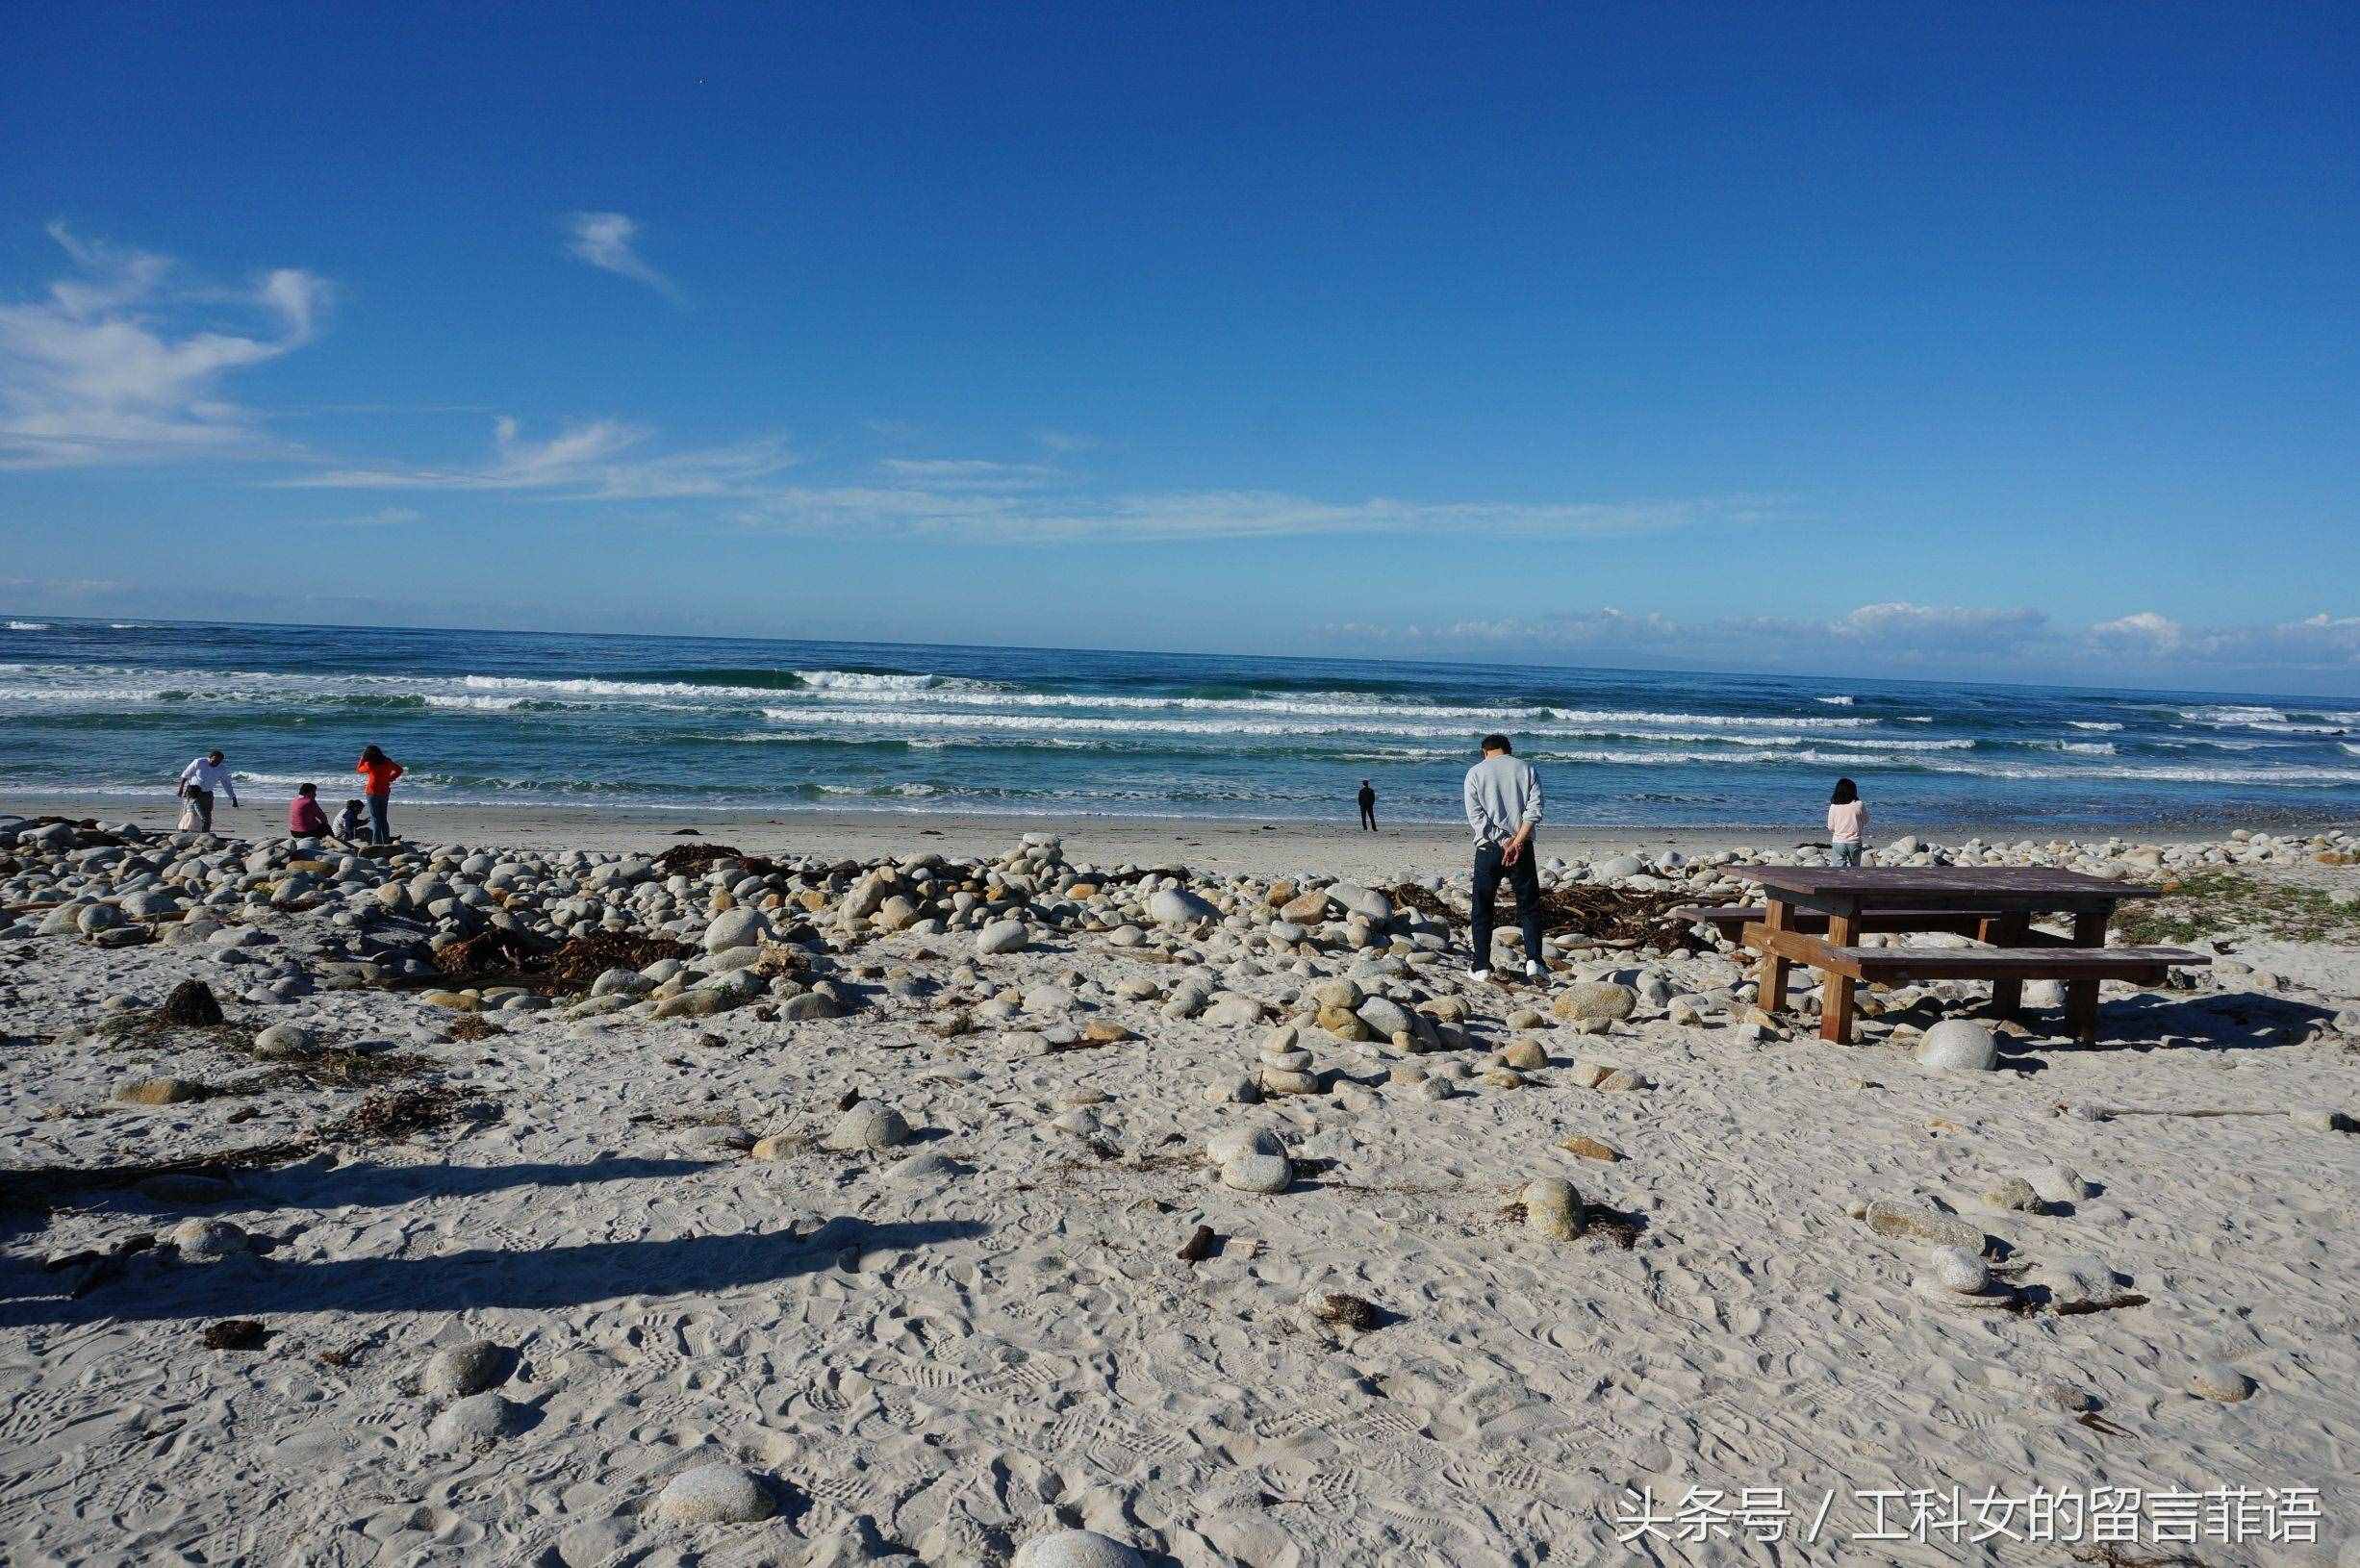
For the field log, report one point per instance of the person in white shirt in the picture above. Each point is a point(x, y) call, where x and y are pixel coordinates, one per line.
point(200, 781)
point(1503, 800)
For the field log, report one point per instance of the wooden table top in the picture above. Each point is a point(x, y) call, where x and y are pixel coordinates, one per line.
point(1941, 887)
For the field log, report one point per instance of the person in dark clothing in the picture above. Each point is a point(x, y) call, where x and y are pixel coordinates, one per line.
point(1368, 806)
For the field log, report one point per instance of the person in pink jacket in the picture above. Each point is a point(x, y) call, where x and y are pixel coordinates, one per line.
point(304, 818)
point(1847, 819)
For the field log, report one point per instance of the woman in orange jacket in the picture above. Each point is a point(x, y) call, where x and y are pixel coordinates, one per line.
point(380, 770)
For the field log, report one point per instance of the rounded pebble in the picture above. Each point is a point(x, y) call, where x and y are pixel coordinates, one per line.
point(869, 1125)
point(470, 1367)
point(475, 1423)
point(1956, 1269)
point(715, 1494)
point(2218, 1381)
point(1076, 1548)
point(208, 1241)
point(1257, 1173)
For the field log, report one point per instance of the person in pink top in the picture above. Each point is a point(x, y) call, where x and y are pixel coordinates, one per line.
point(1847, 819)
point(304, 818)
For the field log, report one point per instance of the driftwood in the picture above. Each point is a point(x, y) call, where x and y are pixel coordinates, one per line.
point(2108, 1112)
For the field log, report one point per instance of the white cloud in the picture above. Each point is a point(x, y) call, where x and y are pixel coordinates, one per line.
point(2144, 631)
point(118, 363)
point(1952, 627)
point(602, 460)
point(2321, 642)
point(607, 241)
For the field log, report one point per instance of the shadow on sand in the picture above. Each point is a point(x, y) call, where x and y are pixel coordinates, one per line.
point(163, 1289)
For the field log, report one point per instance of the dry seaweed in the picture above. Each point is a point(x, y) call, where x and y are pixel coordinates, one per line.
point(400, 1113)
point(1610, 916)
point(1426, 902)
point(577, 964)
point(490, 954)
point(696, 859)
point(385, 1118)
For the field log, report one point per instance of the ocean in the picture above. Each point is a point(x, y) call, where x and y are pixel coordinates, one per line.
point(116, 709)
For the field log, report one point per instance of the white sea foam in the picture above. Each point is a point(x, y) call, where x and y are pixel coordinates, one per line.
point(480, 704)
point(31, 627)
point(2094, 724)
point(2231, 713)
point(1835, 701)
point(867, 681)
point(2168, 774)
point(1371, 722)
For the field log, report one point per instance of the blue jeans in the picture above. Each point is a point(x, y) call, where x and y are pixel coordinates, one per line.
point(380, 830)
point(1525, 878)
point(1844, 854)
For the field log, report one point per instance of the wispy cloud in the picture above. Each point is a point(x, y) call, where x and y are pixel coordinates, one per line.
point(956, 473)
point(122, 362)
point(385, 516)
point(609, 241)
point(601, 460)
point(955, 508)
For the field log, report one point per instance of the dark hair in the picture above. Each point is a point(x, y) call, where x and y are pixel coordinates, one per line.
point(370, 753)
point(307, 789)
point(1496, 742)
point(1847, 792)
point(217, 754)
point(353, 803)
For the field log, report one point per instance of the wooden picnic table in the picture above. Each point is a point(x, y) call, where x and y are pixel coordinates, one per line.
point(2001, 899)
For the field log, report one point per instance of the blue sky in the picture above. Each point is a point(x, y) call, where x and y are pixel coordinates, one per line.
point(1973, 340)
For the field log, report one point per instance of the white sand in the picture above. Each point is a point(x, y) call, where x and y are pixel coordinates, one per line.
point(949, 1363)
point(1398, 851)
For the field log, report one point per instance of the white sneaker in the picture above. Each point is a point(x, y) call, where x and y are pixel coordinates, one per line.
point(1480, 976)
point(1532, 971)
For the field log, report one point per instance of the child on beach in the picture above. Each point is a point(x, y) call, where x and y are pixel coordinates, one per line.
point(1847, 818)
point(350, 822)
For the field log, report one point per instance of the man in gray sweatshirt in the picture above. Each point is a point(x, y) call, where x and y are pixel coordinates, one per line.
point(1503, 799)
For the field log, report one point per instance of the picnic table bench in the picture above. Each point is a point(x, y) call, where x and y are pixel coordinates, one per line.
point(1844, 902)
point(1732, 920)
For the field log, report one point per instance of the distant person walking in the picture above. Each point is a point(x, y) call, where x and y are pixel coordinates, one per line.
point(305, 819)
point(1368, 805)
point(1503, 799)
point(200, 781)
point(380, 772)
point(1847, 819)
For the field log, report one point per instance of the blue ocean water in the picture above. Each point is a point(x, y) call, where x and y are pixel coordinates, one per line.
point(117, 708)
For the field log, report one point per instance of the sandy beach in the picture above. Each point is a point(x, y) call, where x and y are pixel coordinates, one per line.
point(1339, 849)
point(613, 1240)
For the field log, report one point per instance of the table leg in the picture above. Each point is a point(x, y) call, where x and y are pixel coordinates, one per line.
point(2008, 995)
point(1837, 991)
point(2081, 996)
point(1770, 980)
